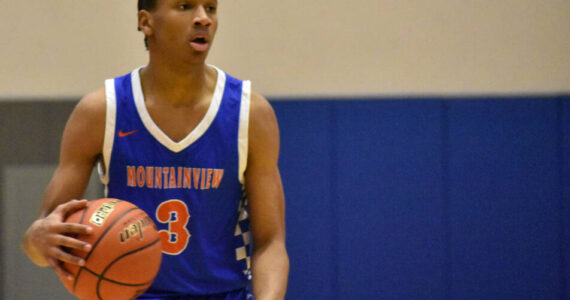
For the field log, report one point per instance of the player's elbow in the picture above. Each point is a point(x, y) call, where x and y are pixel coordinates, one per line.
point(275, 246)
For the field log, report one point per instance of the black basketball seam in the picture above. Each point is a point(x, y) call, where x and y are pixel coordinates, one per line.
point(99, 239)
point(102, 276)
point(84, 213)
point(114, 281)
point(107, 230)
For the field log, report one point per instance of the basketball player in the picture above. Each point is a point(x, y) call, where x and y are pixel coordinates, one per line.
point(193, 147)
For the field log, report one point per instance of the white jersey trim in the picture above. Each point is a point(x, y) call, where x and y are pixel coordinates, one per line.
point(110, 120)
point(197, 132)
point(243, 128)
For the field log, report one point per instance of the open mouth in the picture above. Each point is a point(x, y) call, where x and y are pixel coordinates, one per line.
point(200, 40)
point(200, 43)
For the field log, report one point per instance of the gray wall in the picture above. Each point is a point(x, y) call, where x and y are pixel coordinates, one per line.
point(31, 135)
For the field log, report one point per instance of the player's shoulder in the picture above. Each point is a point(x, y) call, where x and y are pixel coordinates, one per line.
point(260, 108)
point(85, 128)
point(92, 104)
point(263, 125)
point(90, 112)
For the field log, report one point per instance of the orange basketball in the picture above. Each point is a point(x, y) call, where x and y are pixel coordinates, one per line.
point(125, 251)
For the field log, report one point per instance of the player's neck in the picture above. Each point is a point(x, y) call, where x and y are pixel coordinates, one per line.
point(179, 85)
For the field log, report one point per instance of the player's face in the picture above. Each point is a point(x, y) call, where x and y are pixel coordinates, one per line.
point(184, 27)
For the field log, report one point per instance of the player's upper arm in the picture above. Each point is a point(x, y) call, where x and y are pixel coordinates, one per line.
point(263, 134)
point(262, 178)
point(82, 139)
point(81, 145)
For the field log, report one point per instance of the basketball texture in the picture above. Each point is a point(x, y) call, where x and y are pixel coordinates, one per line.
point(125, 255)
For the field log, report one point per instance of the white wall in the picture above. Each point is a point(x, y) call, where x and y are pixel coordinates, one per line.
point(64, 48)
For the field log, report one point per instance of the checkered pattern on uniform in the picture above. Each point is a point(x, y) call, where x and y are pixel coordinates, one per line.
point(243, 251)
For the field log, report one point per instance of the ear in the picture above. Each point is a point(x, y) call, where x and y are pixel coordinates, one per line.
point(145, 22)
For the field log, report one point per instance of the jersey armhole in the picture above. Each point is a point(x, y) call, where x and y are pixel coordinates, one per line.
point(110, 119)
point(243, 129)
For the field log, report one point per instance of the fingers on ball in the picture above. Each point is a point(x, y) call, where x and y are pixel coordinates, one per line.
point(72, 228)
point(63, 256)
point(56, 266)
point(70, 242)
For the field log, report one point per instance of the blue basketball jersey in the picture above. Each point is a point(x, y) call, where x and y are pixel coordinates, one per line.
point(193, 189)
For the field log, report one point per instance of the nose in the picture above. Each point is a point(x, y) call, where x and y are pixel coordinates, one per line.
point(201, 17)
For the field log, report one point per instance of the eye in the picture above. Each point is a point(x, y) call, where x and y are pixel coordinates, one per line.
point(211, 8)
point(184, 6)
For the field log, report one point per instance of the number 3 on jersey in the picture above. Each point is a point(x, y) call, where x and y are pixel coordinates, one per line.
point(175, 214)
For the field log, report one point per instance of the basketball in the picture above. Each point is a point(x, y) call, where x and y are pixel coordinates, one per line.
point(125, 251)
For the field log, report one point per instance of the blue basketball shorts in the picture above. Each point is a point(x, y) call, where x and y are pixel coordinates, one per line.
point(241, 294)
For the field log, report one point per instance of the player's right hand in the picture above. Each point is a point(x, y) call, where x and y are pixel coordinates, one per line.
point(46, 237)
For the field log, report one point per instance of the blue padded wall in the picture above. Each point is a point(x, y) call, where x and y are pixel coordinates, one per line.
point(306, 173)
point(564, 154)
point(388, 197)
point(427, 198)
point(504, 199)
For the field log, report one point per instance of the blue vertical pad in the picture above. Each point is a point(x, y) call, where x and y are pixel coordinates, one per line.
point(503, 190)
point(305, 164)
point(389, 194)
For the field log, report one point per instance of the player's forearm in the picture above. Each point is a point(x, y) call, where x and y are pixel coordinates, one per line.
point(270, 271)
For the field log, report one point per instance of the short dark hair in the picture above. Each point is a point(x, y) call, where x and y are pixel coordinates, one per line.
point(148, 5)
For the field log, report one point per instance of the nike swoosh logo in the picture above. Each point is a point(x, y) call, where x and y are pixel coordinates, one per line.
point(124, 134)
